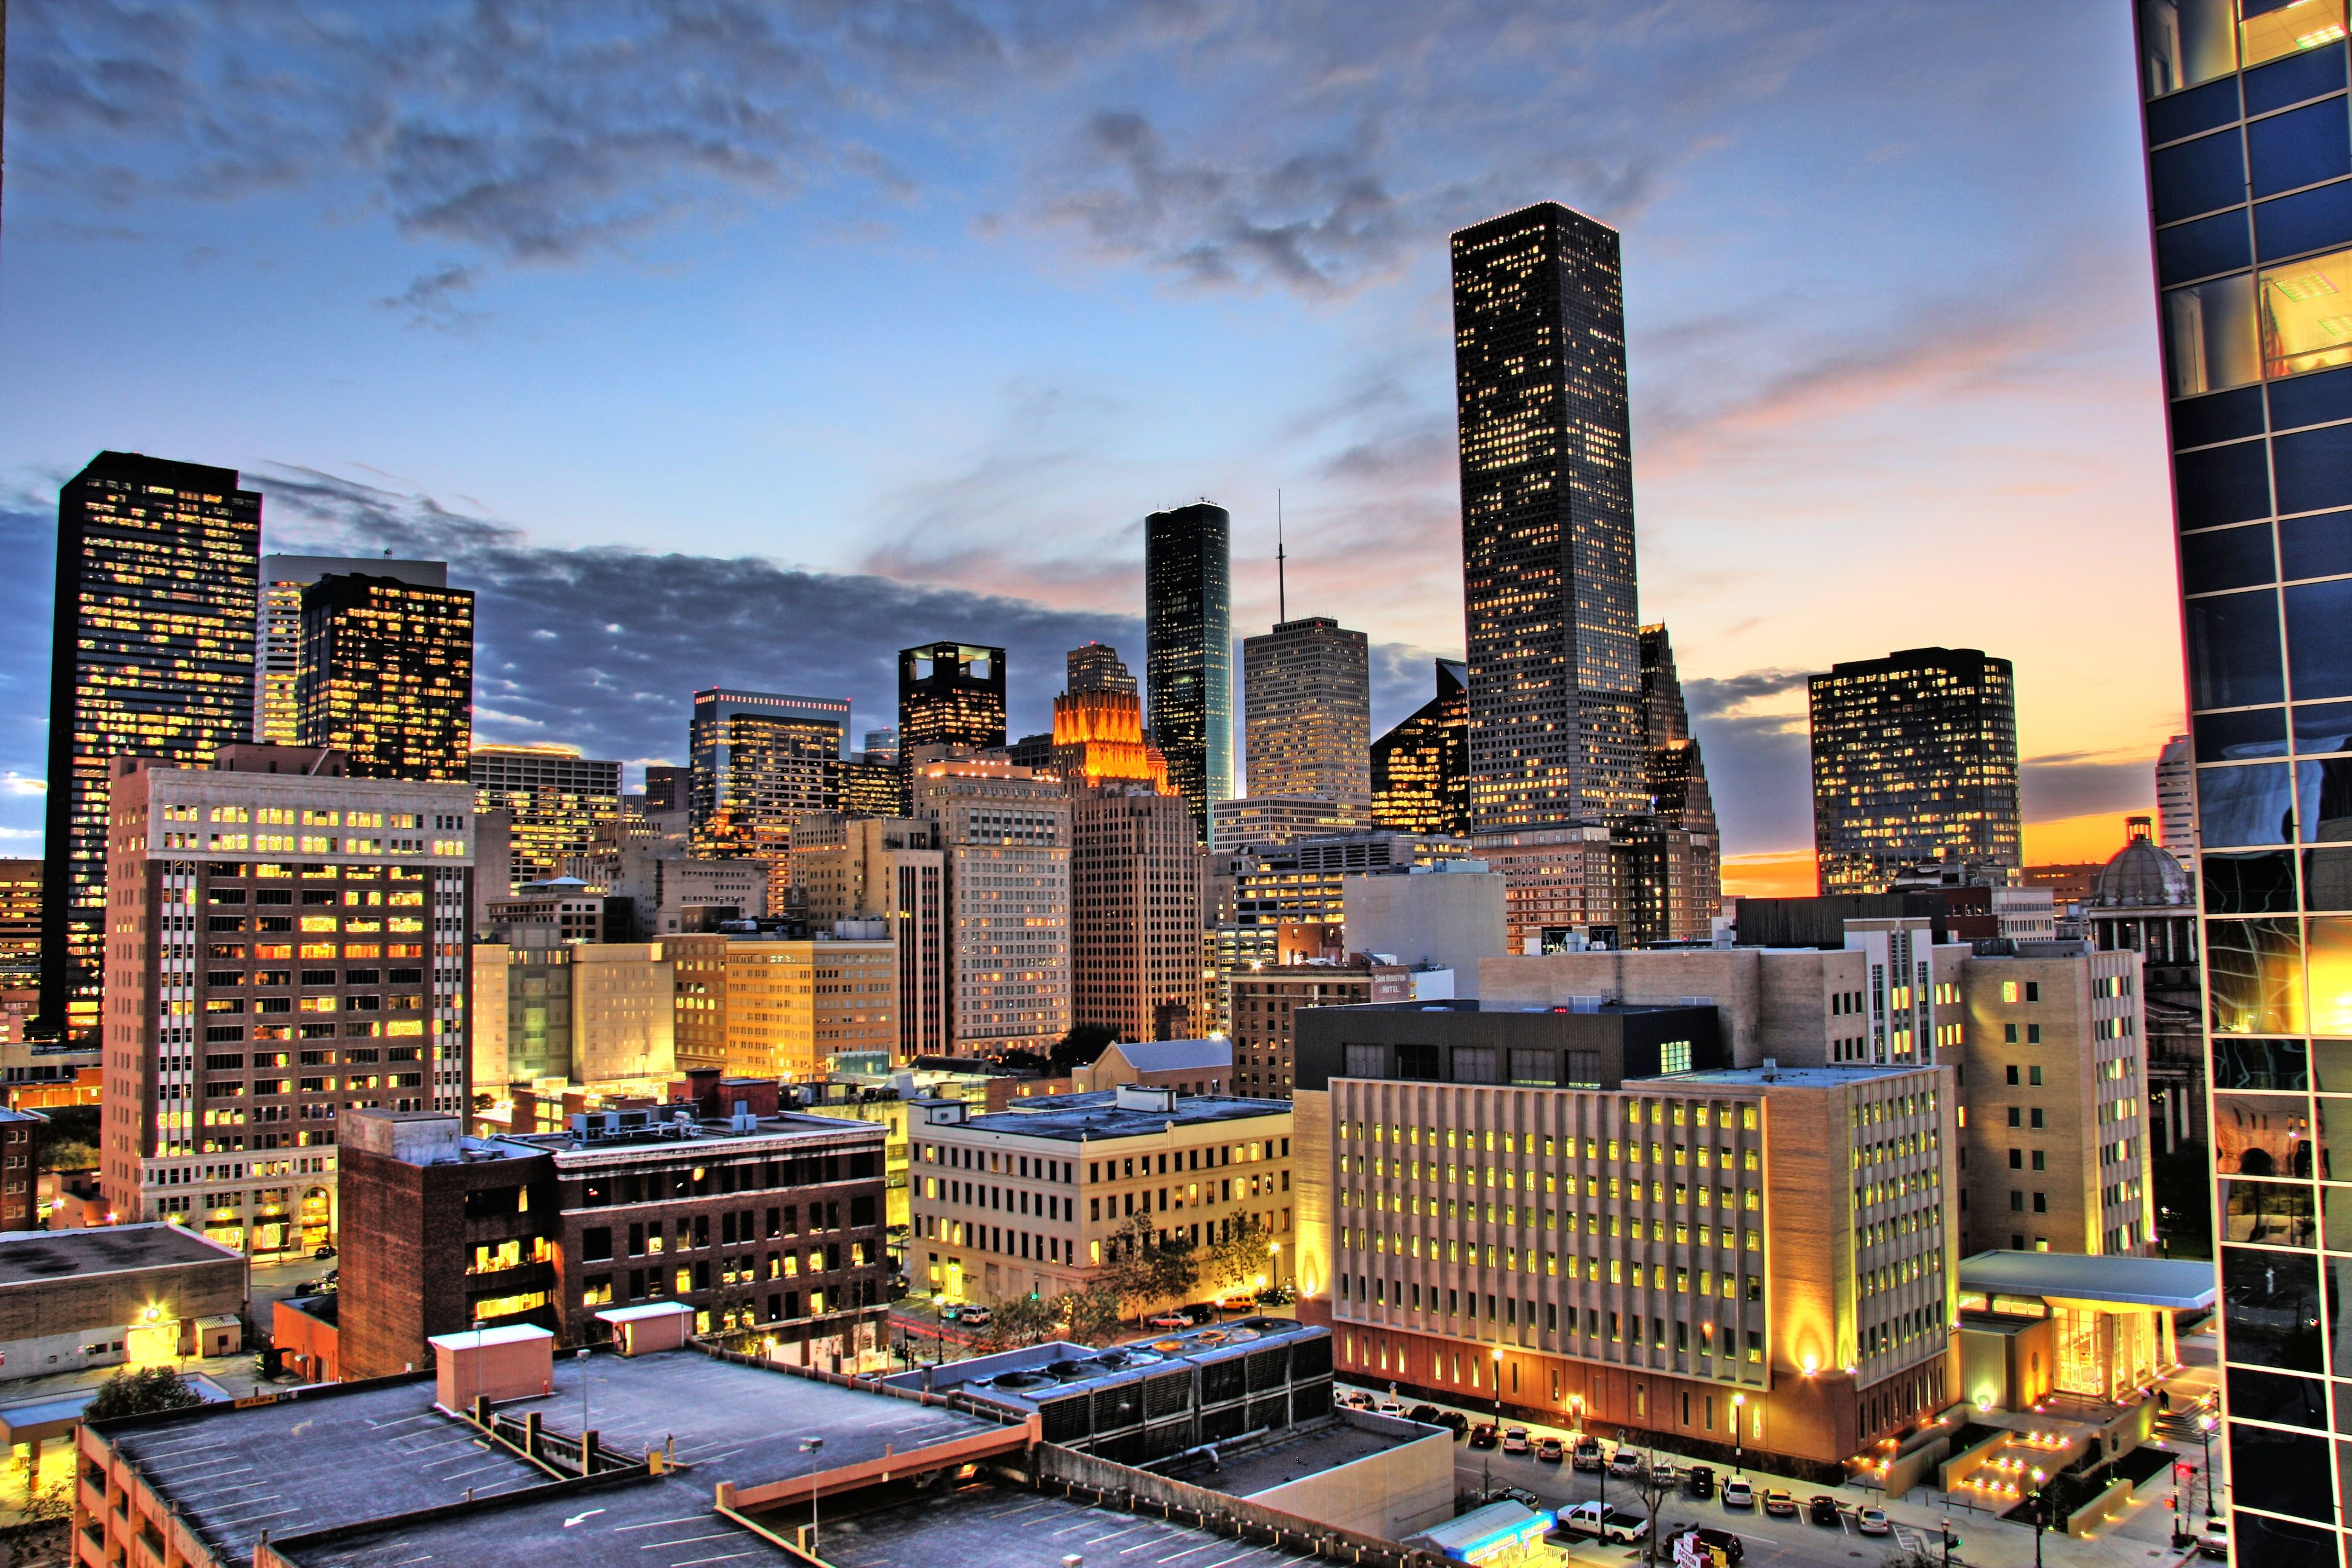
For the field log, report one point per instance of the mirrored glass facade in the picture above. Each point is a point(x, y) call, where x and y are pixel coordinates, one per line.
point(1188, 650)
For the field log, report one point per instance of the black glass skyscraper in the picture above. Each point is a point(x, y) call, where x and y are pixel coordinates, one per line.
point(2249, 194)
point(950, 694)
point(1188, 658)
point(152, 656)
point(1421, 769)
point(387, 676)
point(1556, 728)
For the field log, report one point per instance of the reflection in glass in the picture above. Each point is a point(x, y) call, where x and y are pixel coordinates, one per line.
point(2261, 1135)
point(2269, 1306)
point(2327, 960)
point(2322, 727)
point(2326, 795)
point(2331, 1072)
point(2245, 806)
point(2335, 1139)
point(2249, 884)
point(2208, 336)
point(2335, 1221)
point(2278, 31)
point(2273, 1214)
point(2254, 972)
point(2280, 1066)
point(2184, 42)
point(2328, 879)
point(2240, 735)
point(2307, 314)
point(2234, 652)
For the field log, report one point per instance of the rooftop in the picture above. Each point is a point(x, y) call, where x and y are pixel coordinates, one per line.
point(1173, 1056)
point(2171, 1282)
point(1294, 1452)
point(1025, 1378)
point(31, 1257)
point(1802, 1077)
point(1079, 1117)
point(1004, 1528)
point(645, 1524)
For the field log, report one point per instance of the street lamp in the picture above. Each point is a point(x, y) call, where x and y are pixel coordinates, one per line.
point(1738, 1406)
point(810, 1446)
point(2205, 1424)
point(2041, 1514)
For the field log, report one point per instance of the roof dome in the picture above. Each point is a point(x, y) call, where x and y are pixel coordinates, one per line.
point(2144, 875)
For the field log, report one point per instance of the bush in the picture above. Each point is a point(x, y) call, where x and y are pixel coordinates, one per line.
point(147, 1391)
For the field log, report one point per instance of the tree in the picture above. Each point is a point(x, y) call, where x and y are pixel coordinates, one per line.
point(1091, 1315)
point(69, 1140)
point(1082, 1047)
point(1020, 1321)
point(147, 1391)
point(1654, 1490)
point(1239, 1256)
point(1146, 1265)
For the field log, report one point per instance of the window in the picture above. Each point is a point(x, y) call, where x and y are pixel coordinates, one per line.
point(2033, 1118)
point(2015, 1160)
point(2012, 1116)
point(2017, 1201)
point(2273, 31)
point(2184, 43)
point(2208, 334)
point(2012, 1075)
point(2033, 1077)
point(2305, 315)
point(2041, 1203)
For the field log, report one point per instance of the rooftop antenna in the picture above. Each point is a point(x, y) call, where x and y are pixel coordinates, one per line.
point(1281, 580)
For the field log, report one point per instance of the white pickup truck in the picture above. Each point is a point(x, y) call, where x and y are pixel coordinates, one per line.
point(1605, 1520)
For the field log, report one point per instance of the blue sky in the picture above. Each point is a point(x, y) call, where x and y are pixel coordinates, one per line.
point(747, 343)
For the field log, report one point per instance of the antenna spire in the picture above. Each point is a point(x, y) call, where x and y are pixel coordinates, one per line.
point(1281, 578)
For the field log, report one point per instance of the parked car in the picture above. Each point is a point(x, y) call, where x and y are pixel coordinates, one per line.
point(1780, 1504)
point(1168, 1320)
point(1627, 1463)
point(1454, 1419)
point(1515, 1440)
point(325, 1251)
point(1873, 1521)
point(2213, 1540)
point(1605, 1521)
point(1483, 1435)
point(1425, 1414)
point(1197, 1312)
point(1822, 1508)
point(1588, 1454)
point(1390, 1407)
point(1737, 1493)
point(1356, 1399)
point(1723, 1541)
point(1519, 1495)
point(1277, 1296)
point(1550, 1450)
point(1238, 1301)
point(1662, 1476)
point(1700, 1479)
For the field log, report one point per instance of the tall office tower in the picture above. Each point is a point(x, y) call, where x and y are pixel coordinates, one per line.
point(278, 645)
point(293, 944)
point(667, 788)
point(760, 760)
point(554, 796)
point(1915, 758)
point(387, 676)
point(891, 868)
point(150, 655)
point(1547, 520)
point(871, 788)
point(20, 924)
point(1005, 837)
point(2255, 348)
point(1675, 875)
point(950, 694)
point(1678, 774)
point(1099, 739)
point(1421, 769)
point(1097, 666)
point(1135, 913)
point(1188, 650)
point(1306, 702)
point(2175, 800)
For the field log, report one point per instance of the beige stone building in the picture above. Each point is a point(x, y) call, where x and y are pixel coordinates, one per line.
point(1267, 1002)
point(1801, 1006)
point(699, 999)
point(1004, 836)
point(1135, 913)
point(793, 1006)
point(1029, 1199)
point(891, 869)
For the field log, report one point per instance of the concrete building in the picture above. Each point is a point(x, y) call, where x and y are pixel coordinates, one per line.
point(791, 1006)
point(1449, 914)
point(333, 977)
point(1187, 1067)
point(698, 1033)
point(670, 893)
point(20, 1132)
point(563, 908)
point(1135, 913)
point(1271, 821)
point(891, 869)
point(765, 1226)
point(142, 1294)
point(1559, 881)
point(1587, 1216)
point(1267, 1001)
point(2145, 901)
point(1004, 835)
point(2175, 799)
point(553, 796)
point(1029, 1200)
point(1307, 706)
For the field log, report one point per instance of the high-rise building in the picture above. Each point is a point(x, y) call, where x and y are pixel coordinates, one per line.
point(1188, 657)
point(871, 788)
point(387, 676)
point(278, 647)
point(1421, 769)
point(555, 797)
point(20, 924)
point(2253, 258)
point(793, 1006)
point(1915, 758)
point(1097, 666)
point(668, 788)
point(950, 694)
point(1099, 739)
point(761, 760)
point(882, 745)
point(1306, 699)
point(150, 655)
point(1677, 871)
point(1135, 912)
point(293, 945)
point(891, 869)
point(1005, 834)
point(1556, 728)
point(2175, 800)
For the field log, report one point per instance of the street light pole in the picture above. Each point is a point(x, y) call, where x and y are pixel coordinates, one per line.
point(1739, 1409)
point(2041, 1514)
point(2205, 1424)
point(810, 1446)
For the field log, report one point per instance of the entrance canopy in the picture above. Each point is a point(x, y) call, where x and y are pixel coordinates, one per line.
point(2176, 1284)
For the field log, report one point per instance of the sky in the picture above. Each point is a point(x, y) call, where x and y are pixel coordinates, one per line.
point(720, 342)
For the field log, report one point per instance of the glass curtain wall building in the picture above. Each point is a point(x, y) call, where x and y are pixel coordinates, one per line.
point(1188, 650)
point(2250, 196)
point(760, 762)
point(950, 694)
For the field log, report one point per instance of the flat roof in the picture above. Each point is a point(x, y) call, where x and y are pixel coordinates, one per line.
point(1294, 1452)
point(1023, 1378)
point(1076, 1117)
point(1005, 1527)
point(2178, 1283)
point(313, 1461)
point(1797, 1076)
point(474, 1339)
point(666, 1523)
point(40, 1257)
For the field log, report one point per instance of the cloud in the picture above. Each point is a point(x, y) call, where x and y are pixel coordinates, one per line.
point(2074, 786)
point(429, 301)
point(1706, 696)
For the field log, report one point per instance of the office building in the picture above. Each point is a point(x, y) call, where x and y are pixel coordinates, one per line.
point(1271, 821)
point(554, 798)
point(278, 645)
point(1447, 914)
point(950, 694)
point(794, 1006)
point(563, 908)
point(137, 1294)
point(882, 746)
point(1030, 1200)
point(2176, 803)
point(762, 760)
point(1556, 732)
point(873, 788)
point(1675, 875)
point(1188, 640)
point(1267, 1002)
point(150, 655)
point(294, 946)
point(599, 1014)
point(759, 1223)
point(1187, 1067)
point(387, 676)
point(670, 893)
point(1306, 702)
point(1421, 769)
point(20, 924)
point(667, 788)
point(1135, 912)
point(891, 869)
point(1646, 1239)
point(1914, 758)
point(1005, 837)
point(1097, 666)
point(1803, 1007)
point(1562, 884)
point(1099, 739)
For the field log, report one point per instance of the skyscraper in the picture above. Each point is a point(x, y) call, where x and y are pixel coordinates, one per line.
point(554, 796)
point(1306, 702)
point(277, 649)
point(387, 676)
point(1676, 877)
point(2253, 211)
point(950, 694)
point(1915, 758)
point(1547, 520)
point(1421, 769)
point(1004, 835)
point(2175, 800)
point(1097, 666)
point(152, 656)
point(1188, 650)
point(760, 762)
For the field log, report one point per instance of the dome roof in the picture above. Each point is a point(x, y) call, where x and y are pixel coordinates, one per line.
point(2143, 874)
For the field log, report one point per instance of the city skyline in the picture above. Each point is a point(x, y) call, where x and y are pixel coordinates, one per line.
point(1369, 483)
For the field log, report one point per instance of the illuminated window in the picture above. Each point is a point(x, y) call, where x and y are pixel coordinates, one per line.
point(2307, 314)
point(2290, 29)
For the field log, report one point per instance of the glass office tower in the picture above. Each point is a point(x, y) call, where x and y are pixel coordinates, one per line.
point(1188, 650)
point(2250, 193)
